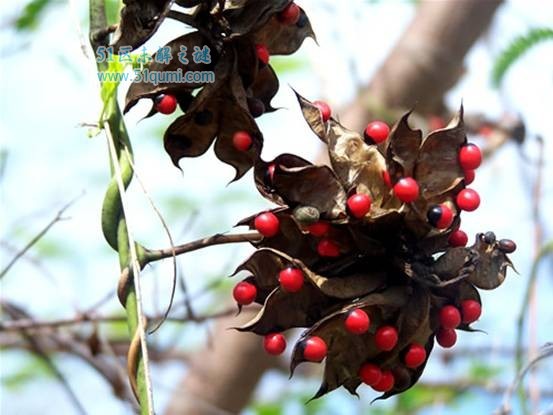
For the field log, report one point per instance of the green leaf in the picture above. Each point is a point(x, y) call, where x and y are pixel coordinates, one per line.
point(33, 369)
point(516, 49)
point(31, 15)
point(113, 8)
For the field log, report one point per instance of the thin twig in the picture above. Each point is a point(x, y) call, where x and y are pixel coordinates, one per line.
point(135, 267)
point(545, 352)
point(37, 238)
point(38, 350)
point(169, 236)
point(217, 239)
point(32, 324)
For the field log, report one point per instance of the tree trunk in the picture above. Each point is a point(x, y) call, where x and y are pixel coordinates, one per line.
point(422, 67)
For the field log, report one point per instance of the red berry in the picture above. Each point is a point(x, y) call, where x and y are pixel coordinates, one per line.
point(359, 204)
point(386, 382)
point(327, 248)
point(291, 279)
point(468, 199)
point(377, 131)
point(290, 15)
point(469, 176)
point(324, 108)
point(370, 374)
point(470, 157)
point(274, 343)
point(267, 224)
point(319, 228)
point(385, 338)
point(447, 217)
point(458, 238)
point(406, 190)
point(415, 356)
point(244, 293)
point(450, 317)
point(440, 216)
point(314, 349)
point(387, 179)
point(166, 104)
point(446, 337)
point(242, 140)
point(262, 53)
point(471, 310)
point(357, 321)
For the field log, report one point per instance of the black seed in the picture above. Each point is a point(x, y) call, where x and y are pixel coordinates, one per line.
point(158, 99)
point(434, 214)
point(368, 139)
point(302, 21)
point(256, 107)
point(489, 237)
point(507, 246)
point(203, 117)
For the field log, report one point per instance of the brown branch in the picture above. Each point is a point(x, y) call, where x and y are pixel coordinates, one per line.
point(219, 239)
point(426, 62)
point(32, 324)
point(37, 237)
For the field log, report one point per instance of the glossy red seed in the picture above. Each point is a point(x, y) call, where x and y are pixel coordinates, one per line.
point(470, 157)
point(359, 205)
point(267, 224)
point(244, 293)
point(319, 228)
point(470, 175)
point(415, 356)
point(357, 321)
point(324, 108)
point(242, 140)
point(406, 190)
point(290, 15)
point(458, 238)
point(468, 199)
point(386, 382)
point(386, 338)
point(446, 219)
point(377, 131)
point(274, 343)
point(446, 337)
point(450, 317)
point(291, 279)
point(328, 248)
point(166, 104)
point(471, 311)
point(370, 374)
point(507, 246)
point(387, 179)
point(314, 349)
point(262, 53)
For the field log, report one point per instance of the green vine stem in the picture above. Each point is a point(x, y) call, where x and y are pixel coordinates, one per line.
point(114, 224)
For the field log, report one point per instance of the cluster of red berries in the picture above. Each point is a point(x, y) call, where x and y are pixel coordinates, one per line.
point(451, 317)
point(380, 335)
